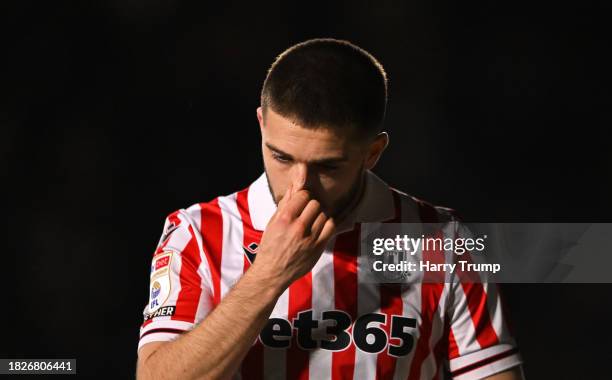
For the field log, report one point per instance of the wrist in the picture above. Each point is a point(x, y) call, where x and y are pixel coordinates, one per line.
point(269, 281)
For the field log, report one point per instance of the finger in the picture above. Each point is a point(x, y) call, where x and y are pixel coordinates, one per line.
point(297, 184)
point(317, 225)
point(297, 203)
point(286, 196)
point(310, 212)
point(328, 231)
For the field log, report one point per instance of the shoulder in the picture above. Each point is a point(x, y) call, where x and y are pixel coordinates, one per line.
point(207, 216)
point(419, 210)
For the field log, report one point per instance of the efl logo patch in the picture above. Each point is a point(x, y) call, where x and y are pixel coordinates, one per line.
point(160, 281)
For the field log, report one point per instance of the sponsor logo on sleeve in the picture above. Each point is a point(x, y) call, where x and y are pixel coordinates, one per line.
point(162, 262)
point(166, 311)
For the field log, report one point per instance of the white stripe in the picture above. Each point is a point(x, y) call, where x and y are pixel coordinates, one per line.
point(430, 364)
point(462, 324)
point(194, 216)
point(496, 314)
point(320, 364)
point(194, 213)
point(261, 203)
point(275, 360)
point(232, 256)
point(178, 239)
point(411, 293)
point(368, 301)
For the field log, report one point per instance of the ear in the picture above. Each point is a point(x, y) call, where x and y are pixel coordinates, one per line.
point(260, 117)
point(376, 149)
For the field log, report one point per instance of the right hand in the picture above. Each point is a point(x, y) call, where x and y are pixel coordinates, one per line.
point(294, 239)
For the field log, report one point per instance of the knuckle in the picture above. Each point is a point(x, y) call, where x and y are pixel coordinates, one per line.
point(299, 225)
point(284, 217)
point(303, 195)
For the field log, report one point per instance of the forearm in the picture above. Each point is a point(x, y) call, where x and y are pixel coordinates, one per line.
point(213, 349)
point(515, 373)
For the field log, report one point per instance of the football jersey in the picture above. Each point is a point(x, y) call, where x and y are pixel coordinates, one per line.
point(329, 324)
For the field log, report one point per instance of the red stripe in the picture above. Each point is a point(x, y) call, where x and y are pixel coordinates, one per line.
point(191, 282)
point(252, 365)
point(345, 295)
point(477, 304)
point(300, 299)
point(441, 348)
point(453, 349)
point(390, 304)
point(242, 201)
point(430, 296)
point(212, 239)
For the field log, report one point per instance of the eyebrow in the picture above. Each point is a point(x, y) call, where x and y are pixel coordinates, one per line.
point(327, 160)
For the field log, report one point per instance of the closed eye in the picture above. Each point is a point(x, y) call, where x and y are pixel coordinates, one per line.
point(281, 158)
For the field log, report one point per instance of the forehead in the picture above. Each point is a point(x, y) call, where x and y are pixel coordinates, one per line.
point(294, 139)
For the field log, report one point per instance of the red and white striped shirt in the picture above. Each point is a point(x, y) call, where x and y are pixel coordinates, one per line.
point(392, 331)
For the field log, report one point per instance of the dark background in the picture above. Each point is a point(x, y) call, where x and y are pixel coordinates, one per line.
point(116, 113)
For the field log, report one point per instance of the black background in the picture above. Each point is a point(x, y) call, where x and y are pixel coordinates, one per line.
point(116, 113)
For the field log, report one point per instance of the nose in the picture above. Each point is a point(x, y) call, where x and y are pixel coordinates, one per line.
point(301, 177)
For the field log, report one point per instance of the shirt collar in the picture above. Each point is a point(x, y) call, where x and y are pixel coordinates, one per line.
point(375, 205)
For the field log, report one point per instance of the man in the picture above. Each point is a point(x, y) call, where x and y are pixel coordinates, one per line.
point(263, 283)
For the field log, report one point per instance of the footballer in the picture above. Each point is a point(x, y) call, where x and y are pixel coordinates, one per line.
point(264, 283)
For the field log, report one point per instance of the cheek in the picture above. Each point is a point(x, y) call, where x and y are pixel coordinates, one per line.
point(336, 186)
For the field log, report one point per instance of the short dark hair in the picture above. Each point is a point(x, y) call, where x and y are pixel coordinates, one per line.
point(328, 83)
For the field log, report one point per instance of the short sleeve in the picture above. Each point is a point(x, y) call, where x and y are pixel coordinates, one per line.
point(480, 344)
point(179, 291)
